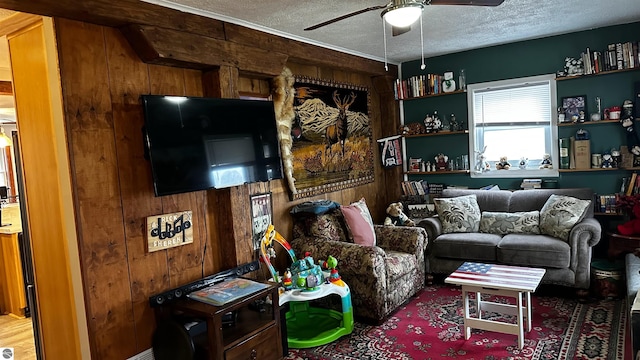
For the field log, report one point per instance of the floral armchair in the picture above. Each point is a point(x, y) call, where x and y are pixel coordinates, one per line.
point(381, 277)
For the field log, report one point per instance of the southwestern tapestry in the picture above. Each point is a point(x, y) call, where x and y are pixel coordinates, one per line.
point(331, 141)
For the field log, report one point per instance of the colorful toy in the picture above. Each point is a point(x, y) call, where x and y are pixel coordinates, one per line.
point(267, 252)
point(307, 275)
point(287, 280)
point(331, 263)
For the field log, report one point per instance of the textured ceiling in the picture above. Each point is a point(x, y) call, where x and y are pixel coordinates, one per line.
point(446, 28)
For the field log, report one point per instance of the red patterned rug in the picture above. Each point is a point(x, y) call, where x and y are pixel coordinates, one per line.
point(430, 327)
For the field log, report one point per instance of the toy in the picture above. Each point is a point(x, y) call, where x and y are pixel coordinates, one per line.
point(546, 162)
point(631, 227)
point(607, 161)
point(503, 164)
point(331, 263)
point(626, 120)
point(287, 280)
point(396, 217)
point(306, 274)
point(481, 164)
point(523, 163)
point(442, 162)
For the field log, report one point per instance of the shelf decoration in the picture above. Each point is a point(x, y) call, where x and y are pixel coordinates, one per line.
point(390, 151)
point(169, 230)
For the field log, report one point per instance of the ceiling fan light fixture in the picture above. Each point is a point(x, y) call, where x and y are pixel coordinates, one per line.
point(402, 14)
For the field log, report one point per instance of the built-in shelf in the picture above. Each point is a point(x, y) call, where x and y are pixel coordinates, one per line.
point(596, 74)
point(593, 169)
point(590, 122)
point(439, 172)
point(438, 133)
point(606, 214)
point(435, 95)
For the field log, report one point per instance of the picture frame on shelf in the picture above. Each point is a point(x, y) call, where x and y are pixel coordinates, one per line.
point(574, 108)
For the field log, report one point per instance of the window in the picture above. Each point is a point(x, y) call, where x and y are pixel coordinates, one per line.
point(513, 119)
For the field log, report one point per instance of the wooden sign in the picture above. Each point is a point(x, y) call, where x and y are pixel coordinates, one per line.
point(169, 230)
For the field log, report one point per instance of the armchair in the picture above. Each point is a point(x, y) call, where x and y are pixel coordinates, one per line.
point(381, 277)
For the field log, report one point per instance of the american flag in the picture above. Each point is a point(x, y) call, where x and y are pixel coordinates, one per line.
point(497, 276)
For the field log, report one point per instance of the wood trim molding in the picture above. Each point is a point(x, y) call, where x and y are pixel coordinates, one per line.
point(18, 22)
point(176, 48)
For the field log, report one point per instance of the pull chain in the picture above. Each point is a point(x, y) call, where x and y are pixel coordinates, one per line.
point(422, 66)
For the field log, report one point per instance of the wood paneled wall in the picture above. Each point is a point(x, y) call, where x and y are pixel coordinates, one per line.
point(102, 79)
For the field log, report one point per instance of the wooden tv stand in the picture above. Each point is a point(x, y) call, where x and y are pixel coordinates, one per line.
point(254, 335)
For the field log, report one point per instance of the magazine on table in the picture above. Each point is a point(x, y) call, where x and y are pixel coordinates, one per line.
point(227, 291)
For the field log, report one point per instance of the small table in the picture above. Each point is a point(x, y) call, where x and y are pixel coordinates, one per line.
point(503, 280)
point(621, 244)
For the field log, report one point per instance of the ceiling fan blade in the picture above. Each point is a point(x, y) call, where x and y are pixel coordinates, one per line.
point(467, 2)
point(396, 30)
point(345, 16)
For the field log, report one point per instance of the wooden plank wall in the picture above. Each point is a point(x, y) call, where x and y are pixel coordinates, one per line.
point(102, 79)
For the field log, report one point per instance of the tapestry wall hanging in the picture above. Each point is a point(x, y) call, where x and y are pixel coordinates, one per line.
point(329, 145)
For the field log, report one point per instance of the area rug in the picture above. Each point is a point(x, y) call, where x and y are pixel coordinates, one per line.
point(430, 327)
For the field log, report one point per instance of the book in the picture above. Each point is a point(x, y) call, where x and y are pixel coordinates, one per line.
point(227, 291)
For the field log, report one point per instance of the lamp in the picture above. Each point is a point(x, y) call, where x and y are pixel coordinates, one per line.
point(4, 139)
point(402, 13)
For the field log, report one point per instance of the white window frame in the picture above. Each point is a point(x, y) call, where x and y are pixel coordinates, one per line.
point(514, 171)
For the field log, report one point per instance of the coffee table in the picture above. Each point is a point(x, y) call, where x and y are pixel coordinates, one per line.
point(503, 280)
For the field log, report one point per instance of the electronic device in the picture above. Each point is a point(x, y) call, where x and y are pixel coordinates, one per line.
point(172, 295)
point(180, 338)
point(203, 143)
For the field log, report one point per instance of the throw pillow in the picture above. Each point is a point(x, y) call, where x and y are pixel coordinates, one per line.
point(560, 213)
point(359, 222)
point(502, 223)
point(459, 214)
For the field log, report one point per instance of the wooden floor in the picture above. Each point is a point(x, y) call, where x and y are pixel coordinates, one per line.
point(17, 334)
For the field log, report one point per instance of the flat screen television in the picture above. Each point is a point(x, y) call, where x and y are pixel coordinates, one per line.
point(203, 143)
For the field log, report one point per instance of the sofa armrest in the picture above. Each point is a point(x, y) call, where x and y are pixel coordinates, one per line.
point(353, 260)
point(433, 226)
point(585, 232)
point(411, 240)
point(583, 236)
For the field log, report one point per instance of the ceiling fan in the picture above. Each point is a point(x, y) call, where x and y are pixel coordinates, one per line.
point(400, 14)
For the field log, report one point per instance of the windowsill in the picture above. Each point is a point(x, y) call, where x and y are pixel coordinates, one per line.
point(515, 173)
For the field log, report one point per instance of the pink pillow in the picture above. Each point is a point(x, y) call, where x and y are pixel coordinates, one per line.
point(360, 223)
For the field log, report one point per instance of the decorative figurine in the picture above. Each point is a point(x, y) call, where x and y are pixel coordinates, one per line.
point(607, 161)
point(626, 120)
point(503, 164)
point(481, 164)
point(448, 85)
point(453, 123)
point(523, 163)
point(442, 162)
point(616, 158)
point(546, 162)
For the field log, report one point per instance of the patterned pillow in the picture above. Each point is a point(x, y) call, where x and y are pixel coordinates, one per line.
point(459, 214)
point(502, 223)
point(360, 223)
point(560, 213)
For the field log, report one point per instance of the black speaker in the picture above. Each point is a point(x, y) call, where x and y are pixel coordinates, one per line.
point(636, 101)
point(180, 339)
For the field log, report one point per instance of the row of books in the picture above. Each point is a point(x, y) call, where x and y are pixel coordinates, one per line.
point(418, 85)
point(528, 184)
point(617, 56)
point(605, 204)
point(631, 185)
point(421, 187)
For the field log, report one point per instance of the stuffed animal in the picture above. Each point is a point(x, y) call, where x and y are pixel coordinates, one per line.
point(481, 163)
point(503, 164)
point(546, 162)
point(626, 120)
point(607, 161)
point(523, 163)
point(631, 227)
point(396, 217)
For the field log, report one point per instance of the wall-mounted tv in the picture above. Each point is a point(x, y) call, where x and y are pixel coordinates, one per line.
point(202, 143)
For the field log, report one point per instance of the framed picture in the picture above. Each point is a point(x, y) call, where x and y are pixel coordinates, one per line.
point(261, 216)
point(574, 108)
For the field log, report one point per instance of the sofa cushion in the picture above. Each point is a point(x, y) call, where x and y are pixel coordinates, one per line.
point(327, 226)
point(534, 250)
point(560, 213)
point(502, 223)
point(459, 214)
point(488, 200)
point(360, 223)
point(465, 246)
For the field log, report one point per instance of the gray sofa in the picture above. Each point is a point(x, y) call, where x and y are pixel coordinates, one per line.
point(567, 262)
